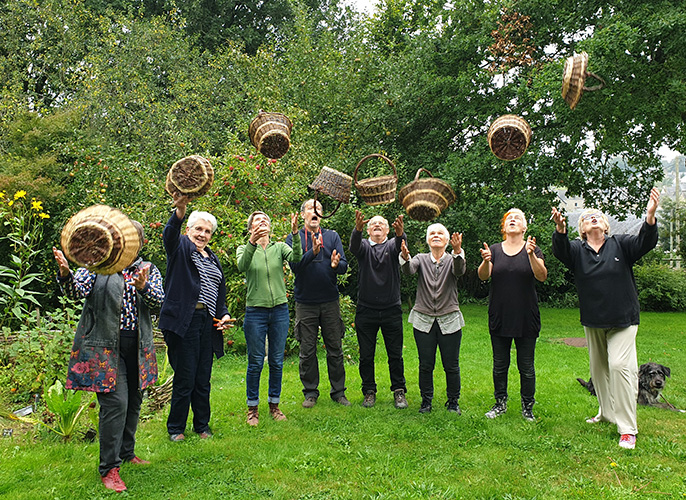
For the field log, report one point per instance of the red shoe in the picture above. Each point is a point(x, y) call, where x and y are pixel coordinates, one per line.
point(112, 481)
point(139, 461)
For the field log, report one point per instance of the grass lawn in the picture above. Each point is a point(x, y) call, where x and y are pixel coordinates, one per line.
point(331, 452)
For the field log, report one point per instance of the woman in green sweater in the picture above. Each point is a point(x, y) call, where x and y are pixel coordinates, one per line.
point(266, 311)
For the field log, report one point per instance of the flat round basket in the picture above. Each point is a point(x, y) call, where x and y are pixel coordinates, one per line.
point(377, 190)
point(509, 136)
point(270, 133)
point(332, 183)
point(425, 199)
point(574, 79)
point(191, 176)
point(101, 239)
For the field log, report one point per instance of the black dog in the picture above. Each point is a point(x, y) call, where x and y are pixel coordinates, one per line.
point(651, 382)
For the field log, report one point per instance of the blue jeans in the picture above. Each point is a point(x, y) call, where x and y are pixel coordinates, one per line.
point(263, 323)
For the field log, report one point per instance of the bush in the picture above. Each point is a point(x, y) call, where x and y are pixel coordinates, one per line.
point(660, 288)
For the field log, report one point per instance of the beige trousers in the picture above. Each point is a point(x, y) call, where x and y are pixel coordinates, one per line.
point(614, 370)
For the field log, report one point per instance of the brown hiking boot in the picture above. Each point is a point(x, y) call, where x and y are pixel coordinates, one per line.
point(275, 412)
point(253, 415)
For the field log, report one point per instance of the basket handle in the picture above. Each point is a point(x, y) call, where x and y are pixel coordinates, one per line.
point(320, 215)
point(416, 177)
point(374, 155)
point(594, 87)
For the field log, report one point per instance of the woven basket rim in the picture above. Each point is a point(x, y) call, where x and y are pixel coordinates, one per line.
point(374, 155)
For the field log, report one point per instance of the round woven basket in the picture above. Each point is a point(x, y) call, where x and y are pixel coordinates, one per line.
point(574, 79)
point(270, 133)
point(332, 183)
point(425, 199)
point(509, 136)
point(377, 190)
point(101, 239)
point(191, 176)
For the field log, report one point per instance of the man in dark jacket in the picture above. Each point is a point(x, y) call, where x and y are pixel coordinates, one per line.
point(378, 302)
point(317, 304)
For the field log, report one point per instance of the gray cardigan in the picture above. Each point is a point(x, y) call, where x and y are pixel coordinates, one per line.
point(437, 283)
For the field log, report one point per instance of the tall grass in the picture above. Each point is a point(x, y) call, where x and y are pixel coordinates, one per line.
point(333, 452)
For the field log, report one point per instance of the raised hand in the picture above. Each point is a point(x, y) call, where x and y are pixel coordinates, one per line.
point(317, 243)
point(485, 253)
point(140, 277)
point(294, 223)
point(456, 242)
point(530, 244)
point(404, 252)
point(62, 262)
point(653, 203)
point(335, 258)
point(360, 221)
point(559, 219)
point(399, 225)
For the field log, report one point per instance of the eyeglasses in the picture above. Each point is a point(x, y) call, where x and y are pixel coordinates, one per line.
point(594, 215)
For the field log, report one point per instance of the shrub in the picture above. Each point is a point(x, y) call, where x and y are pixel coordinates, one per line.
point(660, 288)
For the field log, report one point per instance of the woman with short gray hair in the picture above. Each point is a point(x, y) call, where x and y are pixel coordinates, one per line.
point(436, 315)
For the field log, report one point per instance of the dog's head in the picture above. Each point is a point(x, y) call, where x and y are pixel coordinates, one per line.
point(652, 376)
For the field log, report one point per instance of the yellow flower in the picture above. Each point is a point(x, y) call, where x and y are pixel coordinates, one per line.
point(613, 464)
point(36, 205)
point(43, 215)
point(2, 194)
point(10, 203)
point(20, 194)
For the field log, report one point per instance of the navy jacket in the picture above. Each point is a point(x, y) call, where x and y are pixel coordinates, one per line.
point(315, 279)
point(182, 284)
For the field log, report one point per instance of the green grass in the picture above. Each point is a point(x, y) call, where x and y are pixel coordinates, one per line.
point(331, 452)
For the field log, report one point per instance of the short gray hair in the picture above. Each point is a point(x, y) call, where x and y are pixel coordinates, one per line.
point(196, 215)
point(443, 229)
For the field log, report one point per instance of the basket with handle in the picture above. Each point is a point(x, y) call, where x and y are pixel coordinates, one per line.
point(574, 79)
point(332, 183)
point(377, 190)
point(270, 133)
point(191, 176)
point(425, 199)
point(509, 136)
point(101, 239)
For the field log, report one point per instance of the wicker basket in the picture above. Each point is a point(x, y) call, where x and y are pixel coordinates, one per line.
point(377, 190)
point(509, 136)
point(333, 183)
point(101, 239)
point(270, 133)
point(191, 176)
point(425, 199)
point(574, 78)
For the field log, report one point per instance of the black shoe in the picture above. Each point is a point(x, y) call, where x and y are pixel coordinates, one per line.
point(498, 408)
point(527, 412)
point(426, 406)
point(452, 406)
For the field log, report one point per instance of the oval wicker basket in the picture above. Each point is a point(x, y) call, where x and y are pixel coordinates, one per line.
point(270, 133)
point(377, 190)
point(425, 199)
point(191, 176)
point(509, 136)
point(333, 183)
point(101, 239)
point(574, 79)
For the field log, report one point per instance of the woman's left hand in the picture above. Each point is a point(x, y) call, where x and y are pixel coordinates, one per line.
point(456, 242)
point(224, 323)
point(530, 244)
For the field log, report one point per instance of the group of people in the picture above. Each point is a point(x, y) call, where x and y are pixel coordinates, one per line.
point(115, 330)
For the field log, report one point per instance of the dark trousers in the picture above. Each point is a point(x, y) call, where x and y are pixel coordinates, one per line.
point(449, 346)
point(367, 324)
point(119, 410)
point(525, 363)
point(308, 319)
point(191, 359)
